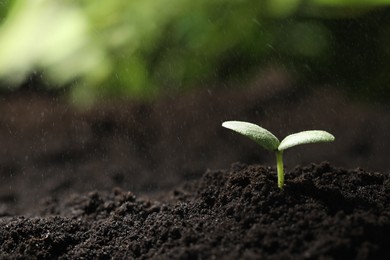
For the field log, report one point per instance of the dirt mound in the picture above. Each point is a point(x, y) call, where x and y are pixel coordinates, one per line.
point(323, 212)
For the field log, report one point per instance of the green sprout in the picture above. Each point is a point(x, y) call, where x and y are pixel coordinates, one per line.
point(270, 142)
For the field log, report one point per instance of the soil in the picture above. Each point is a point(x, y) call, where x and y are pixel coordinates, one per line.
point(132, 179)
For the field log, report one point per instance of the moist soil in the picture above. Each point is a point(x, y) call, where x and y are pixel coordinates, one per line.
point(132, 179)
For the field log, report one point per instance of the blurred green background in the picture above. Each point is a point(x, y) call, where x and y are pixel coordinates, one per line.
point(143, 48)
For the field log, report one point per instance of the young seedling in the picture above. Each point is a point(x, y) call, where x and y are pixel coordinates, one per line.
point(268, 141)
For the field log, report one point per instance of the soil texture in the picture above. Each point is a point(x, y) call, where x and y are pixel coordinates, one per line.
point(322, 213)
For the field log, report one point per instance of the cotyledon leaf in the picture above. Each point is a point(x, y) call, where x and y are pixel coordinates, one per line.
point(260, 135)
point(305, 137)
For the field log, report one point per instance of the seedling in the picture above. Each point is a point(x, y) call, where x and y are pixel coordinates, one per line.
point(268, 141)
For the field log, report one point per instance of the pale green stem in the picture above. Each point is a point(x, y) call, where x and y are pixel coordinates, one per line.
point(279, 167)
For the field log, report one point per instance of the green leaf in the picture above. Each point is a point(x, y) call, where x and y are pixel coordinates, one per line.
point(260, 135)
point(305, 137)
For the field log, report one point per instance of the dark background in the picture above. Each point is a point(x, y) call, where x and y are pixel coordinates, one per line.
point(95, 96)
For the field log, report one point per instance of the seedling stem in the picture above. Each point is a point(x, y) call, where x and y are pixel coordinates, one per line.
point(280, 168)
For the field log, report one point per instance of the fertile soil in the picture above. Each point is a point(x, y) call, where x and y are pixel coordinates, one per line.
point(323, 212)
point(132, 179)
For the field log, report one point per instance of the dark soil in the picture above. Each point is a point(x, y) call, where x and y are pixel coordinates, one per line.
point(323, 212)
point(141, 180)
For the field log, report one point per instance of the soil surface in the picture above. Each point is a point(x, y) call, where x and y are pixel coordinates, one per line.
point(131, 179)
point(323, 212)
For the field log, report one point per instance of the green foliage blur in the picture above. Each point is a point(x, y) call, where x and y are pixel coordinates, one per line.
point(142, 48)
